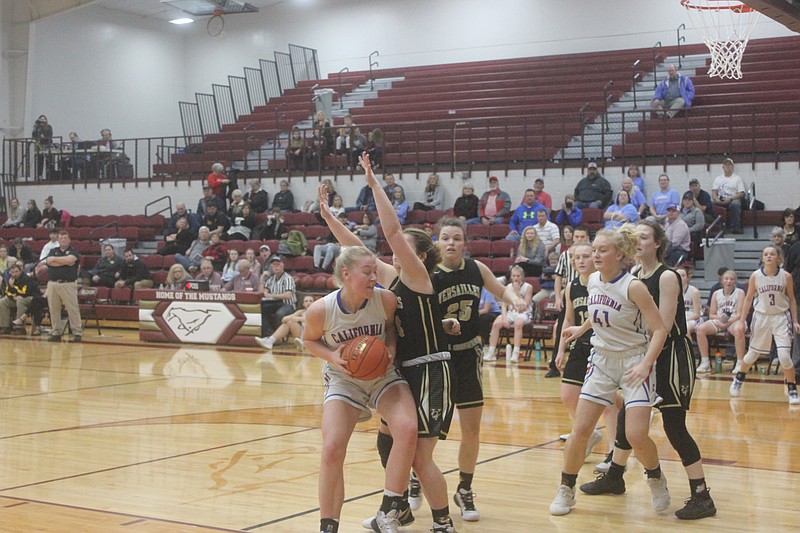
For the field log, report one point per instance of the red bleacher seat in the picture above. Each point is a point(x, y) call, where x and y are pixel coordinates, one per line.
point(479, 248)
point(159, 278)
point(478, 231)
point(416, 216)
point(499, 231)
point(503, 248)
point(153, 261)
point(121, 295)
point(501, 265)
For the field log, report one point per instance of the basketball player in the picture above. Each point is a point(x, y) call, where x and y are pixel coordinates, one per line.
point(510, 318)
point(774, 317)
point(693, 304)
point(622, 357)
point(458, 282)
point(674, 378)
point(725, 314)
point(359, 308)
point(574, 368)
point(422, 354)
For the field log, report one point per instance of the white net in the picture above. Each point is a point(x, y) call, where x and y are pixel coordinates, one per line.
point(726, 27)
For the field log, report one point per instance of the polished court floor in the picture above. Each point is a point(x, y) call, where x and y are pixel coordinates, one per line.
point(116, 436)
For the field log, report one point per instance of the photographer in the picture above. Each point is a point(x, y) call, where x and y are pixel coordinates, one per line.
point(570, 213)
point(43, 136)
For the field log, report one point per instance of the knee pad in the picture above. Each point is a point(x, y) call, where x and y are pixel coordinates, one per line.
point(679, 437)
point(621, 440)
point(751, 357)
point(785, 358)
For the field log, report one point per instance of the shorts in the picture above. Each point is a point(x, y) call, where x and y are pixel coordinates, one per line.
point(431, 387)
point(764, 328)
point(466, 368)
point(575, 369)
point(512, 317)
point(362, 395)
point(604, 376)
point(675, 373)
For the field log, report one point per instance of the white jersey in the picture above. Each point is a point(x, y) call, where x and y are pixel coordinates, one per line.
point(771, 297)
point(726, 303)
point(617, 322)
point(688, 299)
point(341, 327)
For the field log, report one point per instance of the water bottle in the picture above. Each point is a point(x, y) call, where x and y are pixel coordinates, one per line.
point(718, 360)
point(508, 352)
point(538, 349)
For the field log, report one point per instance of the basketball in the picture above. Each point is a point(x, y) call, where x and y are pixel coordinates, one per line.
point(366, 357)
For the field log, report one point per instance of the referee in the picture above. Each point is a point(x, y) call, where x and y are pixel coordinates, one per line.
point(62, 289)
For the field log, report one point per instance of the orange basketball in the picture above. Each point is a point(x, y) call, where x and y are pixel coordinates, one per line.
point(366, 357)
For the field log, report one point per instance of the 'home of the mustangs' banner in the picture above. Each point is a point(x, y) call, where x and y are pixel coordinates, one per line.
point(199, 317)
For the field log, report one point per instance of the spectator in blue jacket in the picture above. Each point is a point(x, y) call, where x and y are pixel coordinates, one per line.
point(674, 93)
point(570, 213)
point(400, 204)
point(524, 215)
point(365, 200)
point(662, 198)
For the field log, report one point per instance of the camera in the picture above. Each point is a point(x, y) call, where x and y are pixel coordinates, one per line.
point(569, 205)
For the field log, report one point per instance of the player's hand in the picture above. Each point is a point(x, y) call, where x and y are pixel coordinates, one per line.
point(506, 323)
point(560, 360)
point(322, 196)
point(797, 328)
point(365, 163)
point(338, 362)
point(558, 303)
point(637, 375)
point(570, 334)
point(451, 326)
point(520, 304)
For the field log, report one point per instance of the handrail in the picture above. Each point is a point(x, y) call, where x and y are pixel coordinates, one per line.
point(341, 100)
point(634, 76)
point(681, 39)
point(717, 221)
point(114, 224)
point(372, 64)
point(751, 192)
point(606, 87)
point(656, 57)
point(168, 208)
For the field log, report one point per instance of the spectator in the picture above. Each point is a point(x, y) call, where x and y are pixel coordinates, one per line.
point(194, 255)
point(400, 204)
point(252, 260)
point(41, 268)
point(292, 324)
point(343, 136)
point(237, 203)
point(264, 255)
point(326, 252)
point(365, 200)
point(43, 137)
point(388, 179)
point(217, 252)
point(702, 200)
point(789, 228)
point(279, 298)
point(22, 253)
point(728, 192)
point(207, 274)
point(638, 180)
point(620, 212)
point(524, 215)
point(272, 228)
point(542, 197)
point(133, 273)
point(217, 180)
point(337, 205)
point(569, 214)
point(638, 201)
point(367, 232)
point(105, 271)
point(662, 198)
point(15, 214)
point(297, 151)
point(530, 253)
point(178, 242)
point(312, 205)
point(466, 206)
point(593, 190)
point(18, 294)
point(548, 232)
point(674, 93)
point(215, 220)
point(207, 199)
point(323, 135)
point(51, 217)
point(257, 197)
point(487, 313)
point(434, 195)
point(245, 279)
point(176, 278)
point(181, 212)
point(5, 262)
point(32, 216)
point(284, 199)
point(547, 280)
point(778, 237)
point(230, 268)
point(376, 145)
point(242, 226)
point(677, 231)
point(63, 263)
point(567, 239)
point(693, 217)
point(358, 143)
point(495, 204)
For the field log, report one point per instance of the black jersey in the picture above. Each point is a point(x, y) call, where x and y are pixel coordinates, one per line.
point(652, 282)
point(579, 295)
point(418, 321)
point(459, 293)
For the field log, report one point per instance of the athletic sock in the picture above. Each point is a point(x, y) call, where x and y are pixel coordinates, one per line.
point(465, 481)
point(790, 386)
point(385, 442)
point(441, 516)
point(615, 471)
point(740, 376)
point(569, 479)
point(655, 473)
point(698, 488)
point(391, 500)
point(329, 525)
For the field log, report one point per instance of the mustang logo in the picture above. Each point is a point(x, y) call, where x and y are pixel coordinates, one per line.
point(189, 320)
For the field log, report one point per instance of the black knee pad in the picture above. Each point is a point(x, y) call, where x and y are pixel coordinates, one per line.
point(385, 442)
point(621, 441)
point(679, 437)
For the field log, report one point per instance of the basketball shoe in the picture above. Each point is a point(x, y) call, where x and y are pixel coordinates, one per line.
point(465, 500)
point(659, 492)
point(564, 501)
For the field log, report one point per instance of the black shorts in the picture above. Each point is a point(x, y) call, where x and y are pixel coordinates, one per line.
point(675, 374)
point(575, 369)
point(466, 367)
point(431, 388)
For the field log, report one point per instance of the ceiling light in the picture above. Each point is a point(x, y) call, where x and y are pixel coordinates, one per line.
point(184, 20)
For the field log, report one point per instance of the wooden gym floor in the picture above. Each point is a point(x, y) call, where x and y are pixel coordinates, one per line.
point(117, 436)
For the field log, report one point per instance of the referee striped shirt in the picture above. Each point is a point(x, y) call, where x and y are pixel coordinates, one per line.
point(565, 270)
point(282, 284)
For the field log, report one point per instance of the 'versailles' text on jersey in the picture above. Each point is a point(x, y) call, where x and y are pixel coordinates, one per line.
point(616, 321)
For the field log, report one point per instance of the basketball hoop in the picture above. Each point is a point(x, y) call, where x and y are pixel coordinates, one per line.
point(726, 26)
point(216, 23)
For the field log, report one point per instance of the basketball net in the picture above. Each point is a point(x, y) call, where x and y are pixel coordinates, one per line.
point(726, 26)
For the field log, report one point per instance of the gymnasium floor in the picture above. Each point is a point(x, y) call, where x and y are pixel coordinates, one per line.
point(117, 436)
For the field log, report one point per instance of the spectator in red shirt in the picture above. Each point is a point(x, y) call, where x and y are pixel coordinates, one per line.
point(541, 196)
point(495, 205)
point(217, 180)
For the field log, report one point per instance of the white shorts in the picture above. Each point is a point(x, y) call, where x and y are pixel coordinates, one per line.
point(604, 376)
point(763, 328)
point(360, 394)
point(512, 316)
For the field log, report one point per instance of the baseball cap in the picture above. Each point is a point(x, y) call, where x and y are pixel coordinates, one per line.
point(537, 180)
point(688, 195)
point(495, 178)
point(275, 258)
point(727, 160)
point(263, 247)
point(694, 181)
point(672, 206)
point(206, 186)
point(592, 165)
